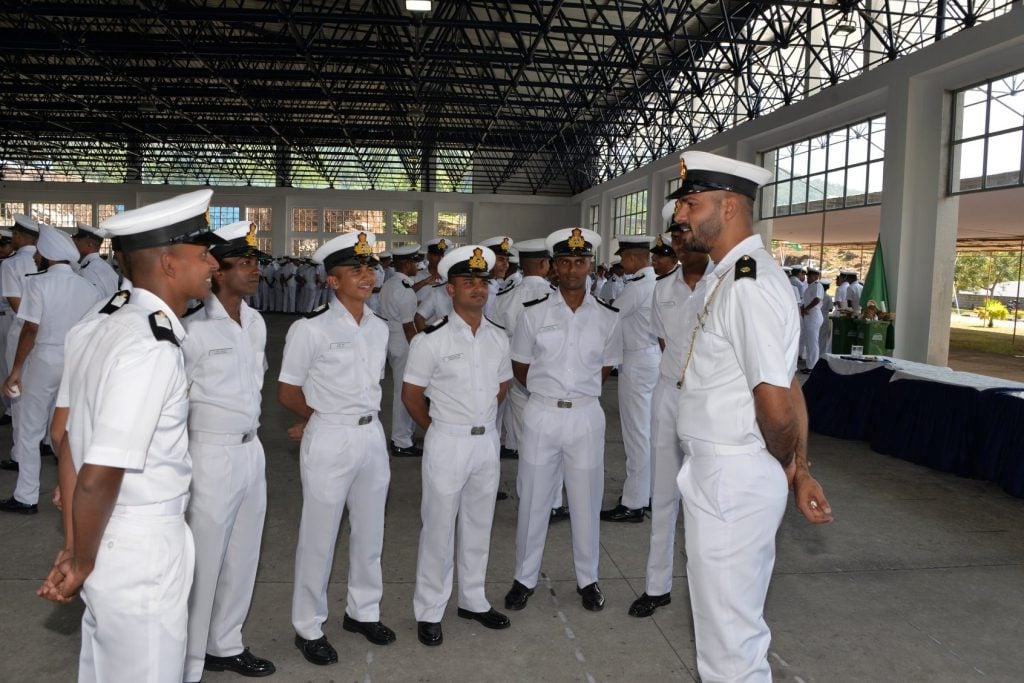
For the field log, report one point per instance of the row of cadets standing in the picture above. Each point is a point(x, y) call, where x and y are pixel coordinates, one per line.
point(433, 302)
point(564, 346)
point(330, 377)
point(461, 364)
point(225, 359)
point(398, 308)
point(637, 376)
point(52, 301)
point(128, 541)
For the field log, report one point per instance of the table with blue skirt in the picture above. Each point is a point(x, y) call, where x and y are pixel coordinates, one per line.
point(951, 421)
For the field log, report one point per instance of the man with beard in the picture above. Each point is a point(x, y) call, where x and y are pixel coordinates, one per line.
point(742, 420)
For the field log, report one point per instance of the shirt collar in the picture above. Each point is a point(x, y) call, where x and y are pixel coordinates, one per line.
point(58, 267)
point(28, 250)
point(215, 310)
point(336, 308)
point(149, 301)
point(748, 245)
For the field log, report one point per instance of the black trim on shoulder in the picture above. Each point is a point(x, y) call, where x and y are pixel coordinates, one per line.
point(319, 310)
point(606, 304)
point(380, 316)
point(494, 323)
point(195, 309)
point(669, 273)
point(746, 267)
point(527, 304)
point(160, 324)
point(116, 302)
point(436, 326)
point(641, 276)
point(38, 272)
point(506, 290)
point(439, 284)
point(405, 283)
point(83, 266)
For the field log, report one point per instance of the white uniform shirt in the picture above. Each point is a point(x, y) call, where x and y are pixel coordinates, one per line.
point(814, 291)
point(225, 362)
point(566, 350)
point(398, 307)
point(494, 285)
point(337, 362)
point(56, 299)
point(841, 292)
point(749, 335)
point(435, 304)
point(612, 288)
point(508, 304)
point(462, 372)
point(96, 270)
point(13, 270)
point(286, 274)
point(672, 319)
point(128, 400)
point(634, 304)
point(420, 276)
point(853, 294)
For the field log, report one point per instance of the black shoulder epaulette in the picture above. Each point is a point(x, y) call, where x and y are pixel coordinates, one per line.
point(662, 277)
point(161, 326)
point(319, 310)
point(439, 284)
point(83, 266)
point(436, 326)
point(746, 267)
point(536, 301)
point(638, 277)
point(494, 323)
point(195, 309)
point(380, 316)
point(606, 304)
point(506, 290)
point(38, 272)
point(406, 283)
point(116, 302)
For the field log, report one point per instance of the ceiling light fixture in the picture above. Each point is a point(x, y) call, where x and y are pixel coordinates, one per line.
point(418, 5)
point(846, 27)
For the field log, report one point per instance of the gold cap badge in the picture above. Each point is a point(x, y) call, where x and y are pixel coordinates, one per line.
point(442, 245)
point(250, 238)
point(682, 169)
point(505, 245)
point(477, 260)
point(576, 240)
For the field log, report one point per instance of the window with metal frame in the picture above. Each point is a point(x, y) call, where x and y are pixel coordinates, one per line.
point(986, 150)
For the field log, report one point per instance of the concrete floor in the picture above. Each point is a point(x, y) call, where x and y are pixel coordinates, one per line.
point(920, 578)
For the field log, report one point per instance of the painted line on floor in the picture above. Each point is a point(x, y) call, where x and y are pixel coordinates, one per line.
point(570, 635)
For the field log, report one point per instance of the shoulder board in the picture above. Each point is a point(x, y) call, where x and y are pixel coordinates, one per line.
point(161, 326)
point(195, 309)
point(405, 283)
point(641, 276)
point(436, 326)
point(506, 290)
point(746, 267)
point(439, 284)
point(606, 304)
point(662, 277)
point(83, 266)
point(116, 302)
point(319, 310)
point(552, 287)
point(500, 327)
point(380, 316)
point(536, 301)
point(38, 272)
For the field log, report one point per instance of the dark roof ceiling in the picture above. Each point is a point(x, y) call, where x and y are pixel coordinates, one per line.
point(541, 97)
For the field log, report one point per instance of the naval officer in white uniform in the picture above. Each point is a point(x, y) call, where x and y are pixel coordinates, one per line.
point(461, 364)
point(741, 421)
point(91, 265)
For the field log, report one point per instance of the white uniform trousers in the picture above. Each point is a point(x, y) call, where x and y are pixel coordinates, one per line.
point(637, 377)
point(6, 320)
point(40, 379)
point(136, 599)
point(289, 296)
point(515, 406)
point(733, 503)
point(460, 479)
point(402, 426)
point(342, 464)
point(553, 441)
point(13, 332)
point(825, 336)
point(810, 331)
point(229, 502)
point(666, 459)
point(504, 420)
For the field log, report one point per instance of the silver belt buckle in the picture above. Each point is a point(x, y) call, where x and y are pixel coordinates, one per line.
point(365, 420)
point(246, 438)
point(477, 431)
point(564, 404)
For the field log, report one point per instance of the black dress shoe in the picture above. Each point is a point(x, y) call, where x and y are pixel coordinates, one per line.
point(374, 631)
point(593, 598)
point(412, 451)
point(45, 449)
point(429, 633)
point(645, 605)
point(9, 465)
point(559, 514)
point(317, 651)
point(5, 420)
point(12, 504)
point(492, 618)
point(501, 495)
point(509, 453)
point(621, 513)
point(517, 596)
point(244, 664)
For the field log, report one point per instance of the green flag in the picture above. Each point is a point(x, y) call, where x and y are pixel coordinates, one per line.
point(874, 285)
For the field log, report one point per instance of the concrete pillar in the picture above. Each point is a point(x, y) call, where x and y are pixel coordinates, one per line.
point(918, 220)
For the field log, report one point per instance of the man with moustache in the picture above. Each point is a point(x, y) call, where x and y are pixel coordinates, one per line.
point(330, 377)
point(742, 421)
point(461, 364)
point(663, 257)
point(131, 547)
point(225, 360)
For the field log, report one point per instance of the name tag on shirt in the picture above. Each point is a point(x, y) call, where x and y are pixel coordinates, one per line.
point(666, 304)
point(221, 352)
point(454, 357)
point(549, 328)
point(341, 345)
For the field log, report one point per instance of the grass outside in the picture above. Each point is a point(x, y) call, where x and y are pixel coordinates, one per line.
point(968, 333)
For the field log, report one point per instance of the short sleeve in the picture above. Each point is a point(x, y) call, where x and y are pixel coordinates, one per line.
point(10, 279)
point(425, 309)
point(406, 305)
point(613, 343)
point(299, 354)
point(505, 367)
point(31, 308)
point(657, 326)
point(763, 333)
point(522, 339)
point(420, 364)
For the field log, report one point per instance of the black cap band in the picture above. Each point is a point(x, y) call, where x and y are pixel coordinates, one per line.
point(347, 257)
point(195, 230)
point(704, 181)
